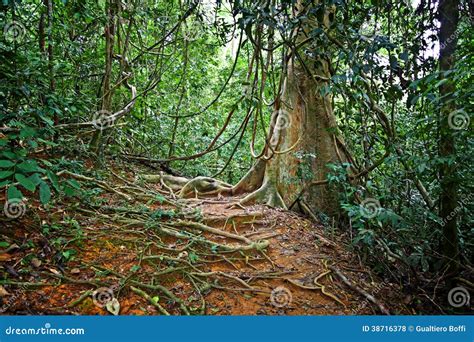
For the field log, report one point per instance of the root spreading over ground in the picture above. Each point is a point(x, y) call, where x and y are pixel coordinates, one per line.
point(154, 245)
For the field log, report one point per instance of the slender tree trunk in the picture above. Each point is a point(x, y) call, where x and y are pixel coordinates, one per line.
point(41, 37)
point(52, 82)
point(42, 49)
point(109, 51)
point(448, 17)
point(106, 103)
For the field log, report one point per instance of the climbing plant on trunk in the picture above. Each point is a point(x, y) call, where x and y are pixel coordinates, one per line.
point(302, 136)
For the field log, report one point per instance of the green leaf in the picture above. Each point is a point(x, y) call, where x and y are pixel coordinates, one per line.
point(14, 193)
point(44, 193)
point(5, 174)
point(35, 178)
point(74, 183)
point(134, 268)
point(5, 182)
point(69, 191)
point(9, 155)
point(27, 132)
point(47, 120)
point(29, 166)
point(193, 257)
point(6, 163)
point(4, 244)
point(27, 183)
point(54, 180)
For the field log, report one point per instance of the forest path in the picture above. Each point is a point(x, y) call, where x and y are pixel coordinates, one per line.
point(165, 264)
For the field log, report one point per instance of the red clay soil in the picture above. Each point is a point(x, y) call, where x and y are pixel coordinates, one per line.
point(40, 276)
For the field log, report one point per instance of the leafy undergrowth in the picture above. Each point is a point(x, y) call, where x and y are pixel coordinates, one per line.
point(136, 250)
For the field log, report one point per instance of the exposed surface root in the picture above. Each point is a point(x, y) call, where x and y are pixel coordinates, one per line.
point(189, 187)
point(180, 257)
point(203, 185)
point(266, 194)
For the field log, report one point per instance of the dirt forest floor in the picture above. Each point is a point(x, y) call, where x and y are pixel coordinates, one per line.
point(136, 250)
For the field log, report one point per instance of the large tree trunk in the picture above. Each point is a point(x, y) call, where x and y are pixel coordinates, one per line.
point(448, 17)
point(304, 128)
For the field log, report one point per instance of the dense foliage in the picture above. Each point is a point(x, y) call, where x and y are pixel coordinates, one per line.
point(192, 64)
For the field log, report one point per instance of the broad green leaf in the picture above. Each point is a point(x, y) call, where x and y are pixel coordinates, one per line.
point(69, 190)
point(54, 180)
point(6, 163)
point(27, 183)
point(44, 193)
point(27, 132)
point(29, 166)
point(9, 155)
point(5, 174)
point(14, 193)
point(74, 183)
point(35, 178)
point(5, 182)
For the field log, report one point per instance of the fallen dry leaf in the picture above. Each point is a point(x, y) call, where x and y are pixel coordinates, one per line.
point(113, 306)
point(52, 270)
point(36, 262)
point(12, 247)
point(3, 292)
point(5, 257)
